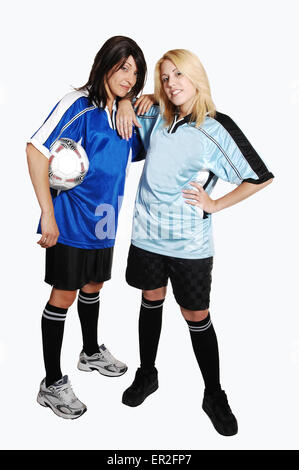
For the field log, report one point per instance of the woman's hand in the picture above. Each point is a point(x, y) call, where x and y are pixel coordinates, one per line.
point(125, 119)
point(50, 232)
point(200, 198)
point(144, 103)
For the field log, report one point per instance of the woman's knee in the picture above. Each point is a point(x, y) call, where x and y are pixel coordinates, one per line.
point(92, 287)
point(194, 315)
point(155, 294)
point(62, 298)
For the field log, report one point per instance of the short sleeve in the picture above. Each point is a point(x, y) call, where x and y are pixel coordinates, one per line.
point(148, 121)
point(64, 120)
point(235, 159)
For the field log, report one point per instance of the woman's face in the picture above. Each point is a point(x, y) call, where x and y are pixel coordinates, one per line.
point(178, 88)
point(121, 81)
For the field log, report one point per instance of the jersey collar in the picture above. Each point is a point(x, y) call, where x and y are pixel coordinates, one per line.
point(176, 123)
point(111, 119)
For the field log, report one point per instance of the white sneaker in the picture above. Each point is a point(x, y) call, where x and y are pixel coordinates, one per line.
point(103, 362)
point(61, 399)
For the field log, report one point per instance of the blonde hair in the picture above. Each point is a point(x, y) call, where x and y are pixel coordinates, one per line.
point(190, 66)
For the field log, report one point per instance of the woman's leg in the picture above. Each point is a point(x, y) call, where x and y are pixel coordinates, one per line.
point(88, 310)
point(205, 346)
point(146, 271)
point(95, 357)
point(55, 390)
point(150, 322)
point(53, 319)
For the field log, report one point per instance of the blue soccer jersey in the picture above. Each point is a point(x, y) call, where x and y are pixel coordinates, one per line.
point(87, 215)
point(163, 222)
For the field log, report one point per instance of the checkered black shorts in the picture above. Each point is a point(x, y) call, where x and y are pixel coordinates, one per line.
point(190, 278)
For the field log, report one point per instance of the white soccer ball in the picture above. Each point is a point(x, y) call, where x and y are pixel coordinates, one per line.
point(68, 164)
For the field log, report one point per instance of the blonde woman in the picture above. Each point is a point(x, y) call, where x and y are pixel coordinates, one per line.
point(191, 146)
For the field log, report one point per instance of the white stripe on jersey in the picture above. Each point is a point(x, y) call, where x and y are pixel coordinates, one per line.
point(49, 125)
point(43, 133)
point(173, 124)
point(70, 122)
point(129, 163)
point(40, 147)
point(111, 120)
point(223, 151)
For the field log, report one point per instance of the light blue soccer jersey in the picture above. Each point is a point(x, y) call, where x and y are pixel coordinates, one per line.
point(163, 222)
point(87, 215)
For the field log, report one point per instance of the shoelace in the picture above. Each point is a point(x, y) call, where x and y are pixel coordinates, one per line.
point(107, 356)
point(66, 392)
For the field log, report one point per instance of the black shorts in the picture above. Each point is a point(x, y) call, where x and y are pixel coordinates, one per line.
point(70, 268)
point(190, 278)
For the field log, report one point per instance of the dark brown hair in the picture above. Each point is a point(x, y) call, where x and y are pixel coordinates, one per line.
point(111, 57)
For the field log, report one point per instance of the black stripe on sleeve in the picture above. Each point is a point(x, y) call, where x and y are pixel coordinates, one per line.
point(246, 148)
point(211, 175)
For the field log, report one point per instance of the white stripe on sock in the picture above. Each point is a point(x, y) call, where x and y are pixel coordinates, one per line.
point(53, 318)
point(150, 306)
point(88, 303)
point(91, 299)
point(198, 329)
point(56, 314)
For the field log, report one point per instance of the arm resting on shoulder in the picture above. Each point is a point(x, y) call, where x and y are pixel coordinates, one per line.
point(126, 117)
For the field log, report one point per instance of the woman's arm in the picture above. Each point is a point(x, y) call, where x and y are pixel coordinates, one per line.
point(201, 199)
point(38, 166)
point(144, 103)
point(126, 117)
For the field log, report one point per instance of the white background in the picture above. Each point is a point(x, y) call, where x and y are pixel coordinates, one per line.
point(249, 50)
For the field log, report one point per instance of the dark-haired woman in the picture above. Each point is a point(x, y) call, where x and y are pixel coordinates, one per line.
point(78, 226)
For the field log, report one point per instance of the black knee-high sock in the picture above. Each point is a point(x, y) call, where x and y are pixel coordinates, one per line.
point(150, 321)
point(205, 346)
point(52, 333)
point(88, 310)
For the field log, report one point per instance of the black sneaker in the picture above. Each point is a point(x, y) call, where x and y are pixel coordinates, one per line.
point(218, 410)
point(144, 384)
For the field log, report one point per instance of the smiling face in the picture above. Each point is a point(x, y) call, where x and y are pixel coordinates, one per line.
point(119, 83)
point(178, 88)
